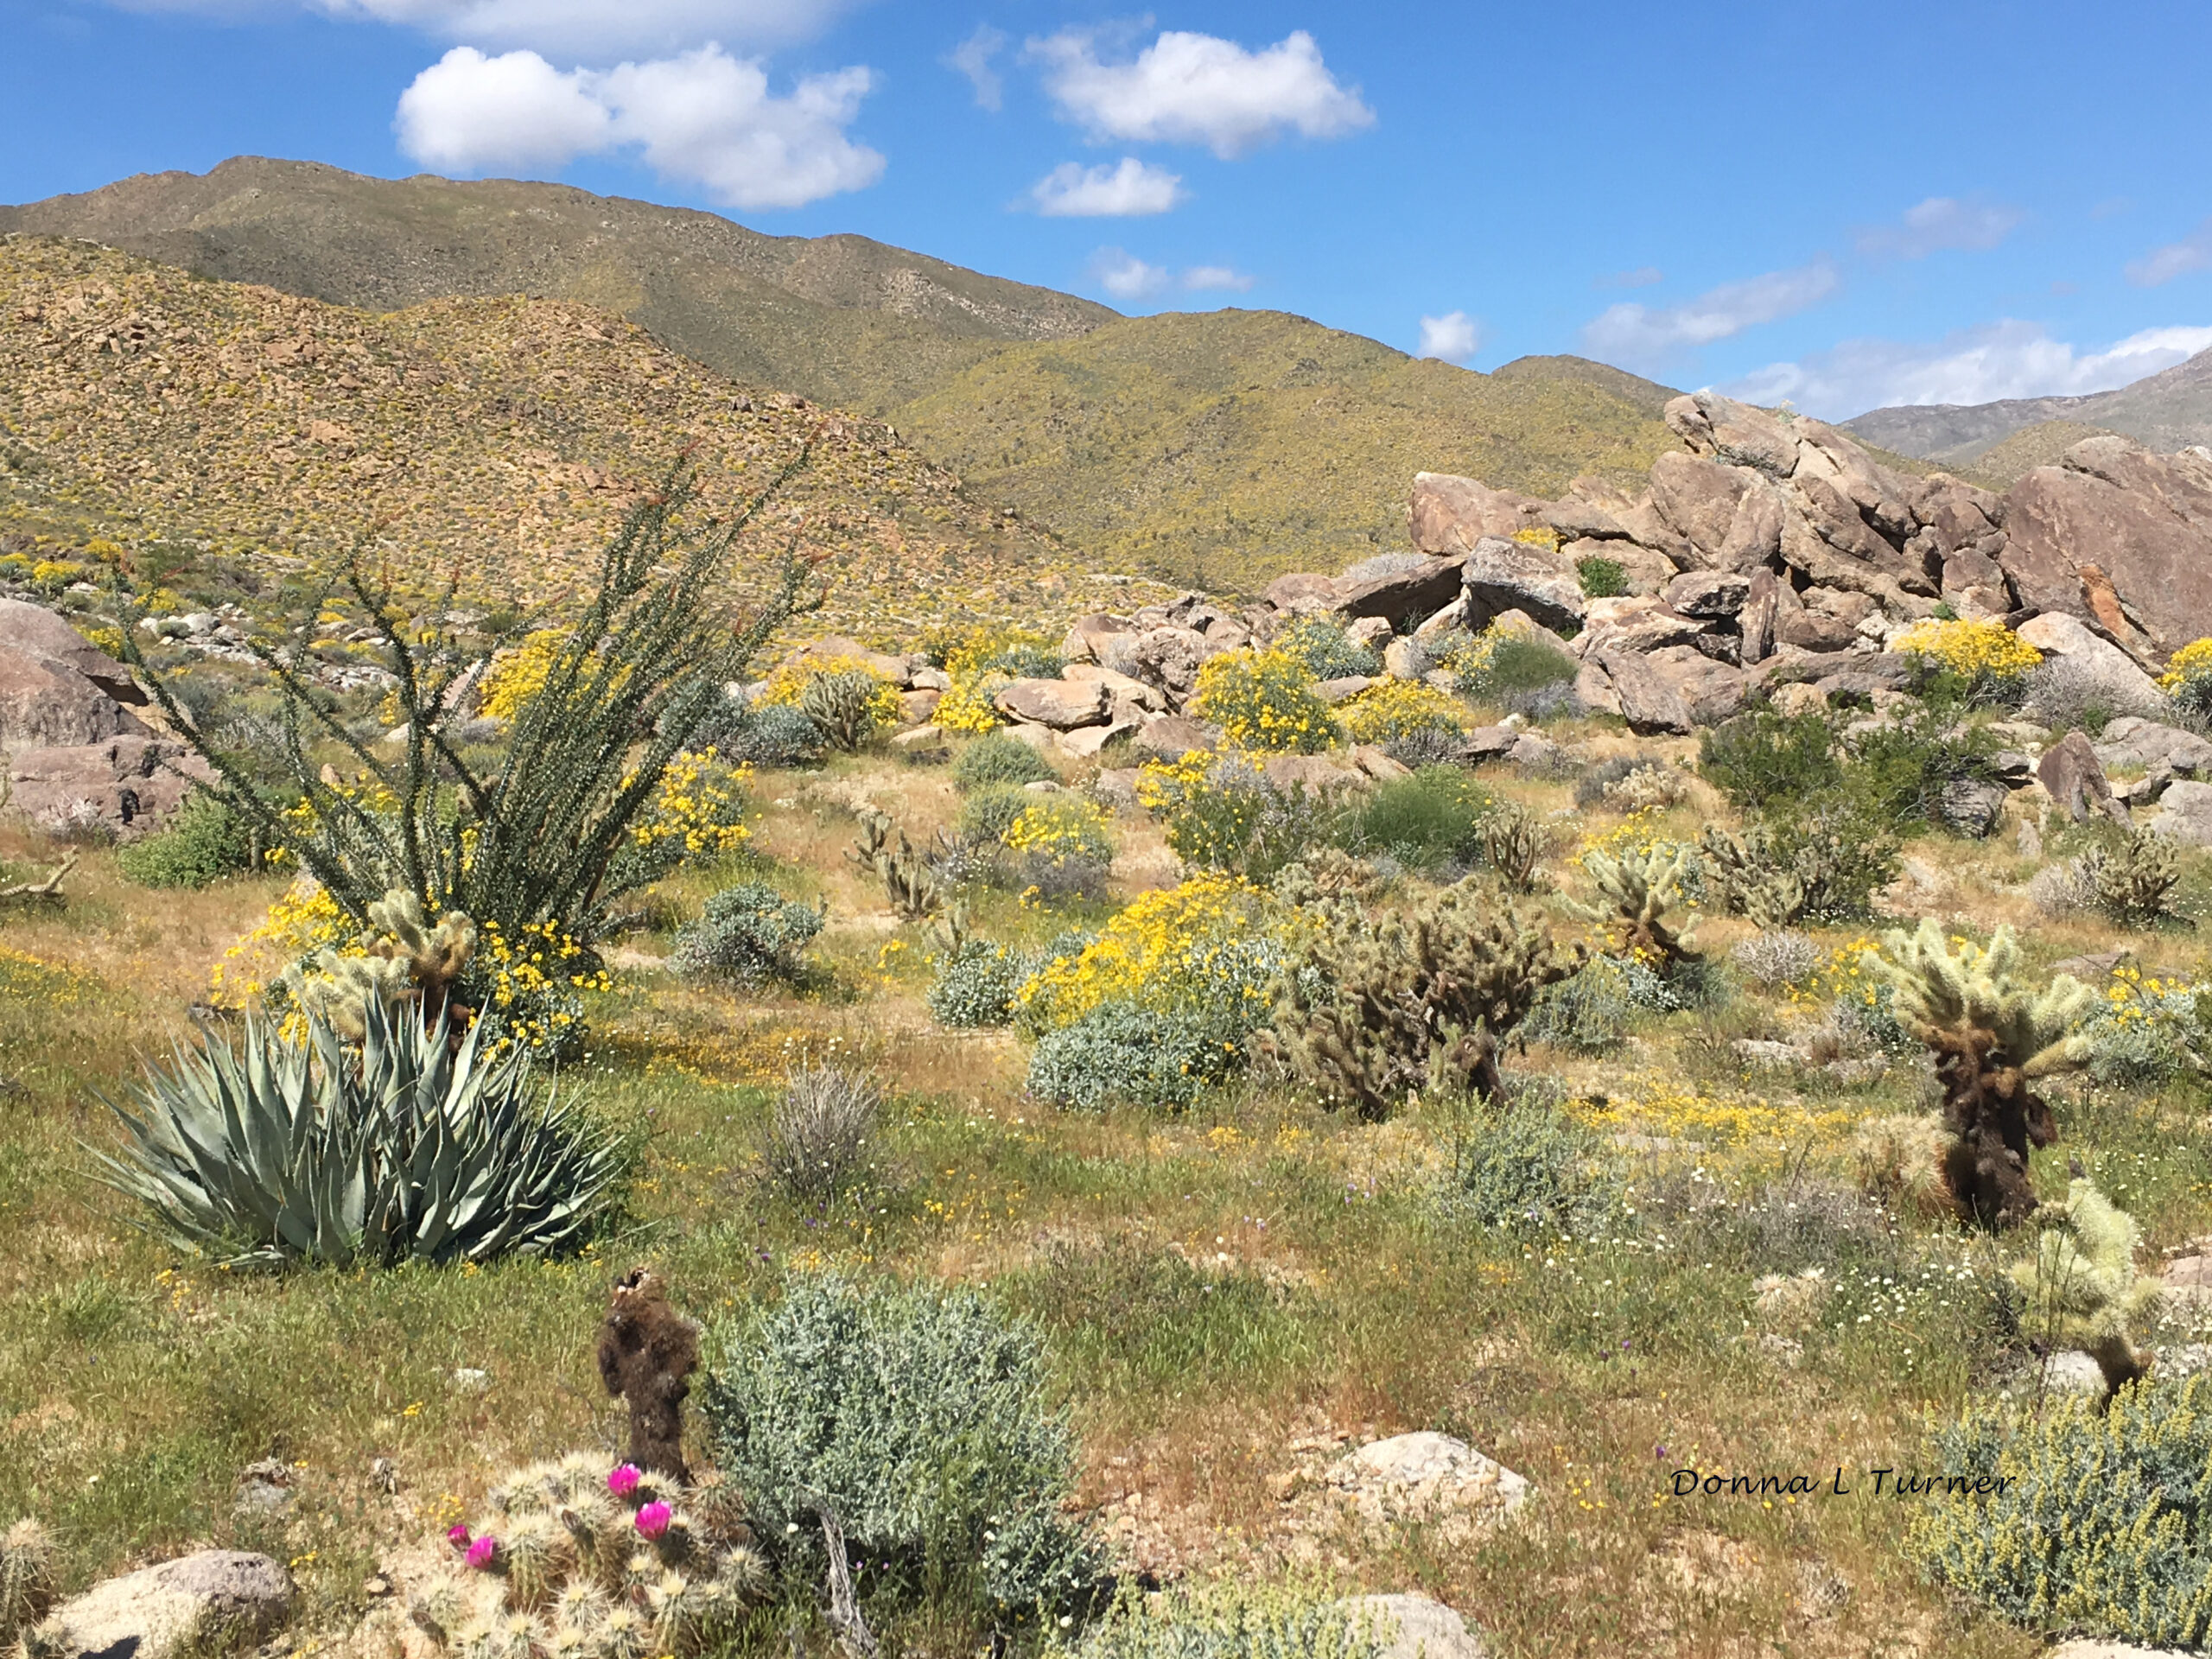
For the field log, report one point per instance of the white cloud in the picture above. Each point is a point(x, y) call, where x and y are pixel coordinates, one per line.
point(1203, 279)
point(1633, 332)
point(703, 115)
point(1126, 277)
point(598, 29)
point(1454, 337)
point(2192, 252)
point(2009, 358)
point(1190, 88)
point(1939, 223)
point(972, 58)
point(1073, 191)
point(468, 113)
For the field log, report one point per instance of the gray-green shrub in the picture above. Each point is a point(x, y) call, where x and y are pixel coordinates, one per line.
point(204, 841)
point(750, 934)
point(1529, 1165)
point(1119, 1052)
point(994, 757)
point(925, 1420)
point(975, 984)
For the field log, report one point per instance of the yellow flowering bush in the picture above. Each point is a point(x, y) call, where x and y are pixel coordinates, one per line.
point(1265, 700)
point(2188, 679)
point(982, 662)
point(55, 573)
point(1055, 829)
point(700, 805)
point(1221, 813)
point(530, 983)
point(1212, 946)
point(516, 676)
point(969, 706)
point(1391, 710)
point(789, 683)
point(1985, 656)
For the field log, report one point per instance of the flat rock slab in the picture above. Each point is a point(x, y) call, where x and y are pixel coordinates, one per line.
point(1429, 1475)
point(1420, 1627)
point(162, 1611)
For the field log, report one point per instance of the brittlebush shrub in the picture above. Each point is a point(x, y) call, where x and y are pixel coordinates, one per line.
point(1265, 700)
point(1980, 661)
point(1223, 814)
point(1393, 711)
point(1328, 651)
point(2188, 679)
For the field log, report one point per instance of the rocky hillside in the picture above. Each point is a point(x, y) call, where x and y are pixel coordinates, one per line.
point(837, 319)
point(1221, 448)
point(2168, 411)
point(494, 440)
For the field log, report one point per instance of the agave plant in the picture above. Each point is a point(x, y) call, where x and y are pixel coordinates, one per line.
point(302, 1148)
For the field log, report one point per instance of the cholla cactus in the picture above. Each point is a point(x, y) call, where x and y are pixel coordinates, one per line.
point(26, 1578)
point(1992, 1035)
point(2133, 881)
point(844, 705)
point(573, 1561)
point(2080, 1284)
point(909, 885)
point(1385, 1005)
point(1515, 842)
point(402, 957)
point(1640, 890)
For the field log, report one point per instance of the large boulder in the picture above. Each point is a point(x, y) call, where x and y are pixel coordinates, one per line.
point(1402, 591)
point(1500, 576)
point(2118, 536)
point(2163, 753)
point(2185, 814)
point(1061, 704)
point(2075, 779)
point(1699, 499)
point(127, 783)
point(1420, 1627)
point(1166, 657)
point(1169, 737)
point(33, 631)
point(1449, 515)
point(2055, 633)
point(43, 702)
point(1303, 592)
point(1649, 697)
point(190, 1605)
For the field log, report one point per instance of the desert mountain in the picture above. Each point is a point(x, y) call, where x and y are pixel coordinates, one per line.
point(493, 439)
point(2168, 411)
point(1222, 447)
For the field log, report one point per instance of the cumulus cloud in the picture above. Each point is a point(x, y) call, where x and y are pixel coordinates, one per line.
point(1126, 191)
point(1124, 275)
point(1199, 89)
point(972, 58)
point(1940, 223)
point(1204, 279)
point(1633, 332)
point(703, 116)
point(2008, 359)
point(2160, 265)
point(1452, 337)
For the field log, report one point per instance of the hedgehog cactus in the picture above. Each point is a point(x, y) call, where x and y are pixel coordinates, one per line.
point(2081, 1283)
point(1638, 891)
point(26, 1578)
point(1992, 1036)
point(581, 1573)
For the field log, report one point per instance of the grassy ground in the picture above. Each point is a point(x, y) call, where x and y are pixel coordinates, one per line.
point(1218, 1287)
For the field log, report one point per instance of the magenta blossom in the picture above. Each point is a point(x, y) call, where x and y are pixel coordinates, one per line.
point(623, 1479)
point(652, 1519)
point(481, 1552)
point(457, 1535)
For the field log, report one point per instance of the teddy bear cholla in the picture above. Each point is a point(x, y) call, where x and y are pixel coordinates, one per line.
point(575, 1562)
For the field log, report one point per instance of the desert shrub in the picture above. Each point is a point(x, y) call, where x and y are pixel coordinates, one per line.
point(29, 1584)
point(2133, 877)
point(821, 1138)
point(207, 840)
point(1264, 701)
point(299, 1147)
point(2188, 679)
point(1325, 650)
point(1601, 578)
point(1898, 771)
point(990, 811)
point(1589, 1012)
point(574, 1559)
point(1392, 711)
point(923, 1422)
point(1527, 1163)
point(1435, 816)
point(909, 882)
point(1382, 1005)
point(1976, 661)
point(996, 759)
point(1120, 1053)
point(2062, 889)
point(2103, 1521)
point(975, 984)
point(2068, 694)
point(1223, 814)
point(1763, 758)
point(1427, 745)
point(773, 735)
point(1515, 844)
point(749, 934)
point(1776, 958)
point(1818, 864)
point(2144, 1031)
point(1515, 666)
point(1630, 783)
point(1232, 1620)
point(1055, 831)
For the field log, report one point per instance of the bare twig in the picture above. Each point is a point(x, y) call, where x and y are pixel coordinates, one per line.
point(844, 1611)
point(45, 891)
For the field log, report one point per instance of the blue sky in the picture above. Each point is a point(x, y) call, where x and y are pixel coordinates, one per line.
point(1843, 207)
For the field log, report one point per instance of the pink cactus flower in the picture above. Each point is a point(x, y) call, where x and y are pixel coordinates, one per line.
point(623, 1479)
point(481, 1552)
point(457, 1535)
point(653, 1518)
